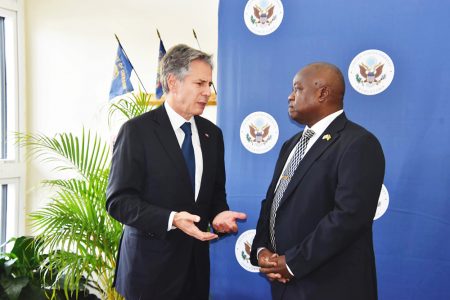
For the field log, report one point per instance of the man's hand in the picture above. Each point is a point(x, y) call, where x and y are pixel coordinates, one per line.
point(185, 222)
point(263, 258)
point(225, 221)
point(265, 262)
point(274, 266)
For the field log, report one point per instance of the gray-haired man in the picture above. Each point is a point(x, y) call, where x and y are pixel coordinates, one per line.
point(167, 183)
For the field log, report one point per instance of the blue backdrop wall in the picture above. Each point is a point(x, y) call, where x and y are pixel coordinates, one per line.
point(410, 118)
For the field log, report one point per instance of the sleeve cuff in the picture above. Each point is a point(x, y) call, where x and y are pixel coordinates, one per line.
point(259, 250)
point(289, 270)
point(169, 225)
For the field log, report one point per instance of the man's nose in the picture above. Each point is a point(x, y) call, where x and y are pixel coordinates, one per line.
point(291, 96)
point(207, 91)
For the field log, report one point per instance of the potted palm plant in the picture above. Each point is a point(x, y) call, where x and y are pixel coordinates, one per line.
point(81, 239)
point(74, 228)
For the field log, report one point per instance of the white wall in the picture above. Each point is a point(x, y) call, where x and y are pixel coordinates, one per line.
point(70, 52)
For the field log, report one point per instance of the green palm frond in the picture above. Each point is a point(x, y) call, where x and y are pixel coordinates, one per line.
point(66, 270)
point(79, 235)
point(86, 154)
point(75, 221)
point(77, 203)
point(132, 106)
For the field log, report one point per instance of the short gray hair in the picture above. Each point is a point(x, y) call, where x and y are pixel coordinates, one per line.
point(177, 62)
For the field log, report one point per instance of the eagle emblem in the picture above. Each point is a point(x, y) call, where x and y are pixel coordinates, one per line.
point(243, 248)
point(370, 74)
point(263, 16)
point(248, 247)
point(246, 252)
point(259, 135)
point(259, 132)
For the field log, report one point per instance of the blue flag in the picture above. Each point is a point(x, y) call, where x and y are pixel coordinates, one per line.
point(159, 90)
point(121, 83)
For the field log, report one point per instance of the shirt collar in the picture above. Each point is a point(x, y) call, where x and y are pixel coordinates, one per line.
point(175, 119)
point(320, 126)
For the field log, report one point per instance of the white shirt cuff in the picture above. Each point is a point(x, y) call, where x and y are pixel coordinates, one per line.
point(290, 272)
point(170, 226)
point(259, 250)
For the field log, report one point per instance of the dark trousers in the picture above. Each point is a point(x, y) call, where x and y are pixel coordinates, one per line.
point(193, 289)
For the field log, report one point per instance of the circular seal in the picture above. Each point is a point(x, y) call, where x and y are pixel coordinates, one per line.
point(383, 202)
point(263, 17)
point(242, 250)
point(371, 72)
point(259, 132)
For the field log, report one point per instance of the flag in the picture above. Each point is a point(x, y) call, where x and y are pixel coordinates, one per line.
point(121, 83)
point(162, 51)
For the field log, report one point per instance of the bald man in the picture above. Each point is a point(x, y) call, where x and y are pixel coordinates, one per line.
point(314, 234)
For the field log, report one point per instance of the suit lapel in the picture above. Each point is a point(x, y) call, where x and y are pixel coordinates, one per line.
point(319, 147)
point(169, 141)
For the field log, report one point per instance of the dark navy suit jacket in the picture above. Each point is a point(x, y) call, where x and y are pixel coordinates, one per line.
point(324, 221)
point(148, 180)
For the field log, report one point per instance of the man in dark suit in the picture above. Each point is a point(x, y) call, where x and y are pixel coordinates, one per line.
point(314, 234)
point(167, 183)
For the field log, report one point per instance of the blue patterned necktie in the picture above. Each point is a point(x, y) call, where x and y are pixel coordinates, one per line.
point(285, 179)
point(188, 152)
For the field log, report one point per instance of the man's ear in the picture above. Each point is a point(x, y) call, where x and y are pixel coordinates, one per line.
point(324, 92)
point(172, 83)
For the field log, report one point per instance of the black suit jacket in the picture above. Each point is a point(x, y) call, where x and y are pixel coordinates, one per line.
point(148, 180)
point(324, 221)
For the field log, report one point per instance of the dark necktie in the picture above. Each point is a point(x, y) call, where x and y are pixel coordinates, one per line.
point(285, 179)
point(188, 152)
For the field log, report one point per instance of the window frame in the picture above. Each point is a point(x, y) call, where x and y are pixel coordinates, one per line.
point(13, 168)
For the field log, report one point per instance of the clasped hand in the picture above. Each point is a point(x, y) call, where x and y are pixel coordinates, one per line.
point(273, 266)
point(224, 222)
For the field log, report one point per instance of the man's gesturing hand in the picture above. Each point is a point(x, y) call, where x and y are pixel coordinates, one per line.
point(185, 222)
point(225, 221)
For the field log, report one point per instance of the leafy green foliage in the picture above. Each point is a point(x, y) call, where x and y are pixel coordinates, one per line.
point(78, 235)
point(75, 229)
point(21, 275)
point(132, 106)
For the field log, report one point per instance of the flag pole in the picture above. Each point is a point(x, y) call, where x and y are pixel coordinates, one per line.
point(195, 36)
point(159, 91)
point(159, 36)
point(120, 44)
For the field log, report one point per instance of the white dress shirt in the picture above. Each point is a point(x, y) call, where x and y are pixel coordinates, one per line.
point(177, 121)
